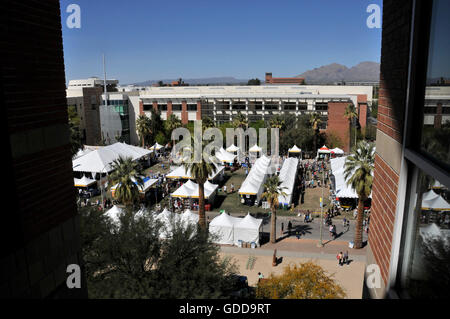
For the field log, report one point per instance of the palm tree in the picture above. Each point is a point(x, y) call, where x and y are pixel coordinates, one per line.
point(127, 174)
point(351, 115)
point(358, 173)
point(315, 121)
point(273, 190)
point(207, 122)
point(172, 123)
point(143, 127)
point(200, 172)
point(277, 122)
point(240, 121)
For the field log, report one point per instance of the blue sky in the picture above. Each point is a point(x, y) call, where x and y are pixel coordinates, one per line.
point(152, 40)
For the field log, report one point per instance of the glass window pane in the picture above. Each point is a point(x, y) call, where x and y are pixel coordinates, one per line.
point(426, 270)
point(436, 111)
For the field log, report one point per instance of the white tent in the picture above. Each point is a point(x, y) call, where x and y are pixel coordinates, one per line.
point(222, 229)
point(337, 151)
point(148, 183)
point(181, 173)
point(232, 148)
point(247, 229)
point(189, 218)
point(436, 203)
point(294, 149)
point(288, 174)
point(341, 188)
point(191, 190)
point(84, 182)
point(225, 156)
point(323, 150)
point(168, 219)
point(157, 146)
point(254, 183)
point(114, 213)
point(99, 161)
point(429, 195)
point(255, 149)
point(82, 152)
point(437, 185)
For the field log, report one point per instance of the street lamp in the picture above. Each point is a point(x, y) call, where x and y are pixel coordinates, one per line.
point(320, 244)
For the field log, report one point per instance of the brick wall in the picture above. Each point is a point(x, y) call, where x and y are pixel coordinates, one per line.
point(199, 110)
point(362, 110)
point(184, 113)
point(391, 107)
point(338, 124)
point(169, 108)
point(40, 236)
point(91, 114)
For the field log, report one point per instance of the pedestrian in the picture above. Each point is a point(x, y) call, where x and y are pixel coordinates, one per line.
point(289, 228)
point(260, 276)
point(334, 232)
point(225, 189)
point(344, 222)
point(282, 228)
point(330, 229)
point(339, 257)
point(232, 188)
point(345, 259)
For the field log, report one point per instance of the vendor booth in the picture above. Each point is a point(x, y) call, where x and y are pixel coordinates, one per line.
point(323, 152)
point(295, 151)
point(222, 229)
point(247, 230)
point(253, 186)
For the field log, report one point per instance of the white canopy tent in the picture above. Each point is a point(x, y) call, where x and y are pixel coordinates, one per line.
point(148, 183)
point(288, 174)
point(294, 149)
point(168, 219)
point(255, 149)
point(222, 229)
point(99, 161)
point(156, 146)
point(437, 185)
point(337, 151)
point(225, 157)
point(84, 182)
point(181, 173)
point(247, 229)
point(254, 183)
point(341, 188)
point(191, 190)
point(429, 195)
point(189, 218)
point(82, 152)
point(435, 203)
point(232, 148)
point(114, 213)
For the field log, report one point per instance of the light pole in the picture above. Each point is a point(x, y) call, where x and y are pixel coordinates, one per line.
point(321, 208)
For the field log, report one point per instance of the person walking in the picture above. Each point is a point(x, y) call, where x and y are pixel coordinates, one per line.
point(330, 229)
point(282, 228)
point(260, 276)
point(339, 258)
point(232, 188)
point(345, 258)
point(289, 228)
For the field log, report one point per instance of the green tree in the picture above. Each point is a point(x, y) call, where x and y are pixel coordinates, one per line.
point(303, 281)
point(156, 125)
point(207, 122)
point(200, 172)
point(255, 81)
point(172, 123)
point(350, 114)
point(358, 173)
point(315, 124)
point(74, 128)
point(240, 121)
point(127, 174)
point(130, 260)
point(143, 127)
point(277, 122)
point(272, 191)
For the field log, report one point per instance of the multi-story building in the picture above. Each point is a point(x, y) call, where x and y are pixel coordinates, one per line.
point(291, 81)
point(222, 103)
point(410, 214)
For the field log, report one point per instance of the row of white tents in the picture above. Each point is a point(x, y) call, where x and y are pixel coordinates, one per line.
point(224, 228)
point(288, 174)
point(433, 201)
point(254, 183)
point(225, 156)
point(342, 190)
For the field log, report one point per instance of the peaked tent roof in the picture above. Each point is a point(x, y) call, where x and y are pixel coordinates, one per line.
point(249, 222)
point(100, 160)
point(294, 149)
point(337, 150)
point(232, 148)
point(84, 181)
point(324, 149)
point(225, 156)
point(437, 203)
point(181, 173)
point(255, 149)
point(157, 146)
point(114, 213)
point(224, 220)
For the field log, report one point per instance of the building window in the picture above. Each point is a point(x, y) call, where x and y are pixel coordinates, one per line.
point(192, 107)
point(423, 269)
point(176, 107)
point(148, 107)
point(321, 106)
point(302, 106)
point(238, 105)
point(291, 106)
point(271, 106)
point(162, 107)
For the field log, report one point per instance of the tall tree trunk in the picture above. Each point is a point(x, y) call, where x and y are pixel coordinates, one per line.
point(359, 224)
point(273, 226)
point(143, 141)
point(201, 205)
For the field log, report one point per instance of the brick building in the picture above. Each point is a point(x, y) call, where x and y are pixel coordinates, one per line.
point(40, 233)
point(410, 197)
point(294, 80)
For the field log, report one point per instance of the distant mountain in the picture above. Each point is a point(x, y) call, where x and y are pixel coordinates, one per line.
point(200, 81)
point(331, 73)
